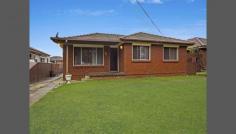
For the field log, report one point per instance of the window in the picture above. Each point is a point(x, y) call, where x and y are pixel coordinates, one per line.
point(170, 53)
point(141, 52)
point(42, 60)
point(88, 56)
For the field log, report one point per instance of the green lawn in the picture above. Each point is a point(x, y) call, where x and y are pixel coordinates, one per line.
point(149, 105)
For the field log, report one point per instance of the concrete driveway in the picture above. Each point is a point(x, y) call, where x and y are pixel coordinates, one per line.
point(39, 89)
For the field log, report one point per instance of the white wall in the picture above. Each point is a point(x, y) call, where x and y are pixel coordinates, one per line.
point(37, 58)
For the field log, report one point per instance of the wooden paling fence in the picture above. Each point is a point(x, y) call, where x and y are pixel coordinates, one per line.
point(191, 64)
point(42, 71)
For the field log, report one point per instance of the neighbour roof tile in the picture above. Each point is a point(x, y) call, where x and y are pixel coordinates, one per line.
point(199, 42)
point(33, 50)
point(56, 58)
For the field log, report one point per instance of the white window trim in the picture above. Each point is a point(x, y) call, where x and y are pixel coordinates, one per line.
point(149, 58)
point(90, 46)
point(114, 46)
point(170, 46)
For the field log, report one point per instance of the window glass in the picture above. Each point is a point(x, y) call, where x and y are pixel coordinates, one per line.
point(88, 56)
point(166, 53)
point(77, 55)
point(99, 55)
point(93, 56)
point(173, 53)
point(144, 52)
point(170, 53)
point(136, 52)
point(141, 52)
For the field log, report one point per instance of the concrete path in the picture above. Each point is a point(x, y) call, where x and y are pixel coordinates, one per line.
point(39, 89)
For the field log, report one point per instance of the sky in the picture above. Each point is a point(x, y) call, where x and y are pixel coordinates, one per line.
point(181, 19)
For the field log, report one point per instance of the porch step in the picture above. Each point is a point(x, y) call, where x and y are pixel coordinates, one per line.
point(106, 74)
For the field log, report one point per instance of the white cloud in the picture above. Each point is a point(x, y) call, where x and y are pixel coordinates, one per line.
point(147, 1)
point(86, 12)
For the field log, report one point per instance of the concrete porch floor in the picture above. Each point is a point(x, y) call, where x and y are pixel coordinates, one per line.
point(105, 74)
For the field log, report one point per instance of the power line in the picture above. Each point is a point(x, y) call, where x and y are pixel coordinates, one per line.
point(146, 13)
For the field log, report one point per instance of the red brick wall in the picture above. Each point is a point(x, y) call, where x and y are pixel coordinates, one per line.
point(156, 65)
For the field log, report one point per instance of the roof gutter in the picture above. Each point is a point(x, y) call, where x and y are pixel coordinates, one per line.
point(159, 42)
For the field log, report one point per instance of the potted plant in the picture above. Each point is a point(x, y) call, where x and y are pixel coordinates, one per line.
point(68, 77)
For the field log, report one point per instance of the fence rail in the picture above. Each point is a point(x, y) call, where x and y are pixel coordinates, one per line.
point(42, 71)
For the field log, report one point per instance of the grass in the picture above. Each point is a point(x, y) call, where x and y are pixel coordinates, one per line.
point(158, 105)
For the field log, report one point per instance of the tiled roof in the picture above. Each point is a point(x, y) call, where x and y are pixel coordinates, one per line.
point(141, 36)
point(199, 42)
point(95, 37)
point(36, 51)
point(56, 58)
point(203, 41)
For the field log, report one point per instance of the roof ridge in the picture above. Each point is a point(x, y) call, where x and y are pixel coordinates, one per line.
point(40, 51)
point(108, 33)
point(81, 35)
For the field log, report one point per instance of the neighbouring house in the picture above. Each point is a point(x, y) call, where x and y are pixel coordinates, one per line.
point(199, 49)
point(56, 59)
point(38, 56)
point(135, 54)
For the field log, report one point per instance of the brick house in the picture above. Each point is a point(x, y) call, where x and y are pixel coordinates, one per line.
point(56, 59)
point(199, 49)
point(112, 54)
point(36, 55)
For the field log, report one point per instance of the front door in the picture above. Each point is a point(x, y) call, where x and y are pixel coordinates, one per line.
point(113, 59)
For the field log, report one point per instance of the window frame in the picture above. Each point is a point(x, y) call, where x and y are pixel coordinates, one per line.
point(42, 59)
point(177, 53)
point(88, 46)
point(141, 60)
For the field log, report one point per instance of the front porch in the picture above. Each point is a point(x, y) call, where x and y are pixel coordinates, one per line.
point(105, 74)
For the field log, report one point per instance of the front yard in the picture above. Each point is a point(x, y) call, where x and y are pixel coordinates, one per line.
point(149, 105)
